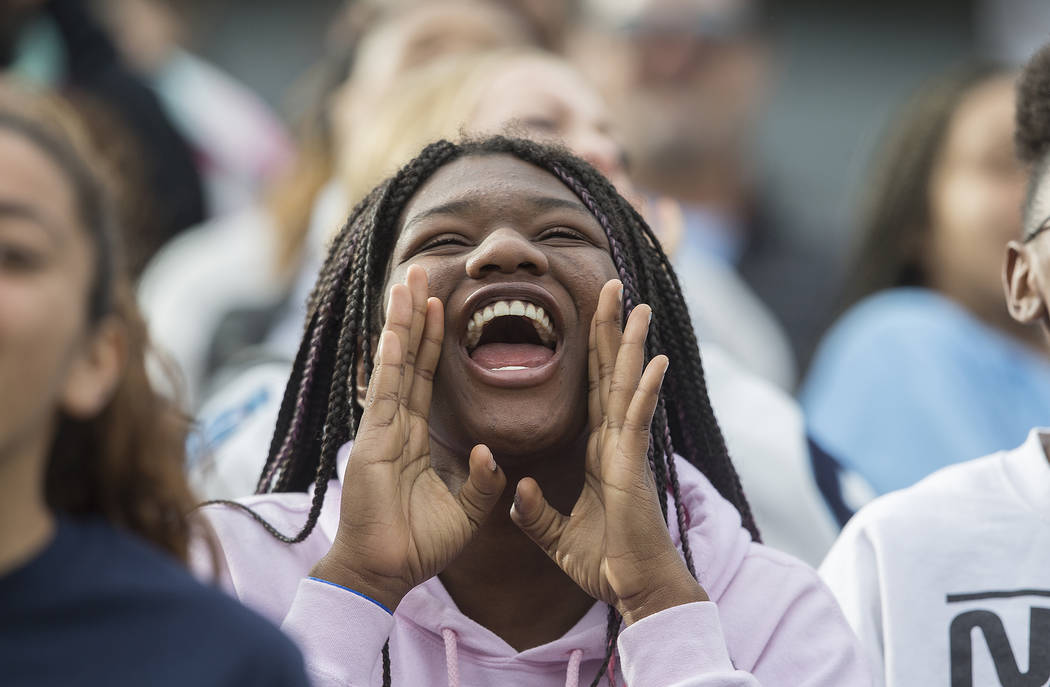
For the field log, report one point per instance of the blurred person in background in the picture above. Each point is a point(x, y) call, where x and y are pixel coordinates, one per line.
point(94, 504)
point(538, 96)
point(237, 279)
point(926, 367)
point(968, 548)
point(688, 87)
point(60, 44)
point(239, 145)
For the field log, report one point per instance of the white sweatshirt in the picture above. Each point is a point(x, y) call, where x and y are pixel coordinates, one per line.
point(948, 582)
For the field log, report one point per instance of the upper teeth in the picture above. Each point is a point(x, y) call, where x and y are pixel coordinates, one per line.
point(540, 320)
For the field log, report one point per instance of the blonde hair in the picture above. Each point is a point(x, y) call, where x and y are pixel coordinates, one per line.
point(432, 102)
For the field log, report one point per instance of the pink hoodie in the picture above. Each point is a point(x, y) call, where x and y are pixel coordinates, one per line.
point(770, 620)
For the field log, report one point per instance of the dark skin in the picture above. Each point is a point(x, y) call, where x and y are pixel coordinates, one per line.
point(570, 436)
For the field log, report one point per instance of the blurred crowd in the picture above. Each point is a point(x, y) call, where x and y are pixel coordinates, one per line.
point(209, 224)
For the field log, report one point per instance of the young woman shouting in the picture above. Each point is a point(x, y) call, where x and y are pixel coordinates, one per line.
point(480, 469)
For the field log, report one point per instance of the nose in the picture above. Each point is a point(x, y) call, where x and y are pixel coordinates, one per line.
point(506, 251)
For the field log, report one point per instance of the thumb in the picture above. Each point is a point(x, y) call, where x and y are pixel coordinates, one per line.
point(537, 518)
point(483, 487)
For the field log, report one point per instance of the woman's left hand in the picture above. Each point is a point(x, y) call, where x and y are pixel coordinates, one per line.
point(615, 544)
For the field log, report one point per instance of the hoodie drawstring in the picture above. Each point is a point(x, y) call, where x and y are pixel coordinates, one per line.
point(451, 657)
point(572, 671)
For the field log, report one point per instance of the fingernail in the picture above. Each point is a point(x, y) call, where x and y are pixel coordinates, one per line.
point(620, 292)
point(492, 464)
point(517, 501)
point(650, 315)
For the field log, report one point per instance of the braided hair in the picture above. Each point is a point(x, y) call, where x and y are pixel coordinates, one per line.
point(319, 412)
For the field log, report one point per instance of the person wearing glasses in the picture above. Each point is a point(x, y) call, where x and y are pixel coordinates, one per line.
point(946, 582)
point(926, 368)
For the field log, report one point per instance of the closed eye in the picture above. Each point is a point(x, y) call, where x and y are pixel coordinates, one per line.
point(563, 233)
point(443, 240)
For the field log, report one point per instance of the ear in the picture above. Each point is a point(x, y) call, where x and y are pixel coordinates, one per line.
point(95, 372)
point(1024, 297)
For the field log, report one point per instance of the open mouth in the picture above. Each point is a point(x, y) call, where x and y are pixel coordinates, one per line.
point(509, 335)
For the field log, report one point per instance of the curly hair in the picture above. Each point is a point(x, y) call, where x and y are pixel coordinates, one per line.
point(1032, 134)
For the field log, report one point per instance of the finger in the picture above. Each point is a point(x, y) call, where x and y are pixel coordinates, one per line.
point(595, 411)
point(382, 402)
point(416, 281)
point(399, 319)
point(629, 361)
point(634, 437)
point(607, 333)
point(538, 519)
point(483, 487)
point(429, 355)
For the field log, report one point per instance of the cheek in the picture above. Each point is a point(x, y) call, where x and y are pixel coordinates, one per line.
point(977, 208)
point(38, 328)
point(584, 276)
point(442, 276)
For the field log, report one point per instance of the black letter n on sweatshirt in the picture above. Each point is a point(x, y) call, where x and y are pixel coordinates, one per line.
point(999, 646)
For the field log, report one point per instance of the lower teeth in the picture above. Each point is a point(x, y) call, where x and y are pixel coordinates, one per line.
point(509, 367)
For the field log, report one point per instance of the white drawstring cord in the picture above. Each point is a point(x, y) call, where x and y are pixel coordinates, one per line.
point(451, 657)
point(572, 672)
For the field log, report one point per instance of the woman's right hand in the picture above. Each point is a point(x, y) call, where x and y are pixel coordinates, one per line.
point(399, 524)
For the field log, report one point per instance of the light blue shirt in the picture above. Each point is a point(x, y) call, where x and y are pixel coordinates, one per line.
point(908, 382)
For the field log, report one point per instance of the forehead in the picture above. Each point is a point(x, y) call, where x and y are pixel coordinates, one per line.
point(985, 115)
point(29, 178)
point(497, 182)
point(532, 82)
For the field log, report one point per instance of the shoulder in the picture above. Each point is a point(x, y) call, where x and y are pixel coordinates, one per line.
point(776, 612)
point(144, 589)
point(902, 339)
point(906, 307)
point(943, 497)
point(240, 526)
point(898, 319)
point(722, 548)
point(253, 564)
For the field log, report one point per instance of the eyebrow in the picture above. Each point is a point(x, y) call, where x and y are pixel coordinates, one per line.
point(14, 209)
point(457, 207)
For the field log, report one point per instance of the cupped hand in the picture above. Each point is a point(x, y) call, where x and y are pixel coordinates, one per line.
point(615, 544)
point(399, 524)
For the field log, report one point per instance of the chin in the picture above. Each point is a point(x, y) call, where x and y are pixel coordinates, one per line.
point(516, 425)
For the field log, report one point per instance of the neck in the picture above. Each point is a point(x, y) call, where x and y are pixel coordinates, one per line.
point(26, 523)
point(990, 310)
point(502, 580)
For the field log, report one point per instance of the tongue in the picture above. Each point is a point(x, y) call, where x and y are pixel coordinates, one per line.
point(496, 355)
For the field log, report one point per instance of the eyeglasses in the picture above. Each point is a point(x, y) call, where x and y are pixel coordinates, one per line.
point(1038, 230)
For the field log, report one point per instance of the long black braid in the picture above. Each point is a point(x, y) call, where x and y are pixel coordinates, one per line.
point(319, 412)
